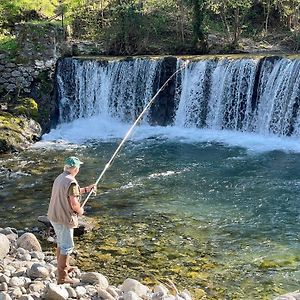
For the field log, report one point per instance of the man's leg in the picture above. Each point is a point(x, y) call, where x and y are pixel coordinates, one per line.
point(65, 246)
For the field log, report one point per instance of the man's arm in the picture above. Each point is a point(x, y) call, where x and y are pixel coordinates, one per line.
point(75, 205)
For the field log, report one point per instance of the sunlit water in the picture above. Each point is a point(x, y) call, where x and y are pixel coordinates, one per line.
point(210, 210)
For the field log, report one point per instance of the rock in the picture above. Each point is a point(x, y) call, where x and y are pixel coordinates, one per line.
point(4, 245)
point(17, 281)
point(185, 295)
point(56, 292)
point(80, 291)
point(38, 270)
point(4, 296)
point(4, 278)
point(29, 242)
point(131, 296)
point(103, 294)
point(161, 289)
point(132, 285)
point(95, 278)
point(38, 255)
point(3, 286)
point(16, 293)
point(71, 292)
point(26, 297)
point(113, 291)
point(36, 286)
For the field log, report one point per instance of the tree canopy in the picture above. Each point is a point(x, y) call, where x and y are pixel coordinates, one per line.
point(148, 26)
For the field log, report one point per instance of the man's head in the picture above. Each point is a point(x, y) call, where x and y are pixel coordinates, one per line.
point(72, 165)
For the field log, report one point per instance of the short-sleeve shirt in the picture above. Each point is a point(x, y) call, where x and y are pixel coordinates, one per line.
point(73, 190)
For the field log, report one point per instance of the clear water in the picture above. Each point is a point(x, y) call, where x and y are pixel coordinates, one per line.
point(210, 210)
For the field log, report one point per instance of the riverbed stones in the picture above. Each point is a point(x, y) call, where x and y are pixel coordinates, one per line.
point(4, 245)
point(29, 242)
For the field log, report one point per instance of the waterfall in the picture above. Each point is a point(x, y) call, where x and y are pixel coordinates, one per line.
point(259, 95)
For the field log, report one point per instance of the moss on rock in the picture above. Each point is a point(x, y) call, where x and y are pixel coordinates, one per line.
point(17, 133)
point(27, 107)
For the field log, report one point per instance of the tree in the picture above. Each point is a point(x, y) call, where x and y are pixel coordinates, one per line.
point(232, 14)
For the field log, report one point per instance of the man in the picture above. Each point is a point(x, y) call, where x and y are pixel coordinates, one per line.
point(63, 211)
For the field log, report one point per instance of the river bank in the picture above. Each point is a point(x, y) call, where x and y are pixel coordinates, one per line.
point(28, 273)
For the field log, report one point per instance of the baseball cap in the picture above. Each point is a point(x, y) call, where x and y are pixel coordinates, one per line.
point(73, 161)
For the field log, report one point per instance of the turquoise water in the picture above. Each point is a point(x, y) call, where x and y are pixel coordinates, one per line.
point(208, 214)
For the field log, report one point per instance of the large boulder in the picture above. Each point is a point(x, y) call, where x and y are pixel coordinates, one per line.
point(29, 242)
point(95, 278)
point(132, 285)
point(4, 245)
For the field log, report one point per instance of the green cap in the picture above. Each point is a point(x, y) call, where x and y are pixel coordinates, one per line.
point(73, 161)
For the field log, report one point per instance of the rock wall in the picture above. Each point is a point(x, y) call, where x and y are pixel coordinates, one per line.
point(30, 73)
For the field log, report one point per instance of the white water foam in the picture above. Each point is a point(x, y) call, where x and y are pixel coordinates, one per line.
point(80, 131)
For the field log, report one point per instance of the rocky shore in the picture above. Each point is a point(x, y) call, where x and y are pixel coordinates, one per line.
point(28, 273)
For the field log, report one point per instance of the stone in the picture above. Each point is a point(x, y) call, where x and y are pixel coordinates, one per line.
point(20, 272)
point(185, 295)
point(16, 281)
point(16, 73)
point(71, 292)
point(29, 242)
point(132, 285)
point(4, 278)
point(4, 296)
point(80, 291)
point(131, 296)
point(95, 278)
point(56, 292)
point(16, 293)
point(11, 87)
point(161, 288)
point(3, 286)
point(113, 291)
point(158, 296)
point(38, 255)
point(26, 297)
point(36, 286)
point(38, 270)
point(103, 294)
point(4, 245)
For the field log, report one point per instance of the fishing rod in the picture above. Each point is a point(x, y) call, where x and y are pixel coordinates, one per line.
point(184, 65)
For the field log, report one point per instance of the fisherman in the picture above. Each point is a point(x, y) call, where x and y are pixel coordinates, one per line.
point(63, 211)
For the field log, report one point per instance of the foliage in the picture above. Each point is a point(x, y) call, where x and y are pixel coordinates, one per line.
point(156, 26)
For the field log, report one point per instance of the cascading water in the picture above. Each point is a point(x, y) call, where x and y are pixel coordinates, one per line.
point(249, 95)
point(120, 90)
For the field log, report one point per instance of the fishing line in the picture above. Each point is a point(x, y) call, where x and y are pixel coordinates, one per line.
point(184, 65)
